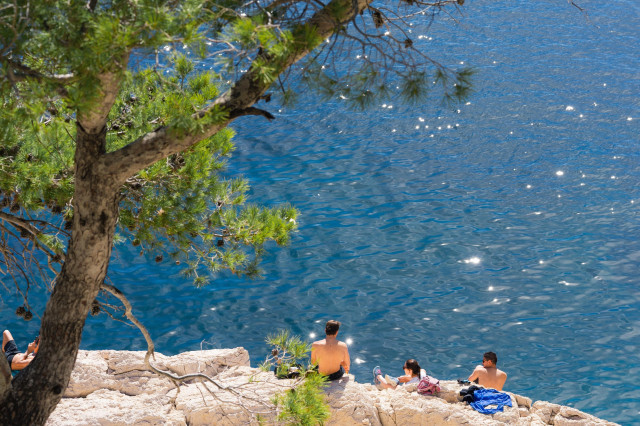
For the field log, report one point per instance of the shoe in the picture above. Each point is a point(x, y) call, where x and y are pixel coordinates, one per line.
point(376, 372)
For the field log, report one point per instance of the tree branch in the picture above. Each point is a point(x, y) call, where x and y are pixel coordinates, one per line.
point(246, 91)
point(17, 72)
point(252, 111)
point(176, 379)
point(32, 233)
point(25, 71)
point(129, 314)
point(95, 120)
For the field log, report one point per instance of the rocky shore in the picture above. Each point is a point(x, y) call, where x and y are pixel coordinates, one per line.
point(115, 388)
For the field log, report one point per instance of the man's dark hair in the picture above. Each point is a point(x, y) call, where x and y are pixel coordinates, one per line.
point(491, 356)
point(332, 327)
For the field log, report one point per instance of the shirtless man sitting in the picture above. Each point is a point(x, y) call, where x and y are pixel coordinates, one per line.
point(16, 359)
point(330, 354)
point(487, 374)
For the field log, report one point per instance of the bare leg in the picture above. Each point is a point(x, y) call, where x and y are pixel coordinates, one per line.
point(383, 383)
point(6, 336)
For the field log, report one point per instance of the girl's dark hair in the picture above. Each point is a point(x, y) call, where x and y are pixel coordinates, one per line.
point(413, 365)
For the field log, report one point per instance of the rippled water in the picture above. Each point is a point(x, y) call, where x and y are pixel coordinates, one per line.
point(509, 225)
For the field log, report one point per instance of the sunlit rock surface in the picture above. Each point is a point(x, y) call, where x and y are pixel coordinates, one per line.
point(115, 388)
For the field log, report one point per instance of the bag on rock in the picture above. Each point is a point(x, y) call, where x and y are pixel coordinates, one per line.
point(428, 385)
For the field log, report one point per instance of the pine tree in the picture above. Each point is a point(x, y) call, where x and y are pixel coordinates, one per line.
point(108, 133)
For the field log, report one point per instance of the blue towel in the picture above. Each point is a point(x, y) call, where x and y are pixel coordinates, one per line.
point(484, 397)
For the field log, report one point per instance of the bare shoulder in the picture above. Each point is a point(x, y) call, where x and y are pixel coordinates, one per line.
point(318, 343)
point(342, 345)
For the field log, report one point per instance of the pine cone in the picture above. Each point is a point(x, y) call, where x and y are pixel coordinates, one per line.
point(377, 19)
point(95, 309)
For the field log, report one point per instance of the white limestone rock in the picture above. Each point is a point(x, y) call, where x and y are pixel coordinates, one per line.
point(205, 404)
point(89, 375)
point(111, 408)
point(124, 371)
point(561, 415)
point(114, 388)
point(353, 403)
point(212, 363)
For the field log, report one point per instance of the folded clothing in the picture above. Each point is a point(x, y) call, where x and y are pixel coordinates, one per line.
point(467, 393)
point(480, 399)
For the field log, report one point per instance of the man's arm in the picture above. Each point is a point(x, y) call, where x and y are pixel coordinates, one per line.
point(20, 361)
point(314, 361)
point(346, 361)
point(475, 374)
point(32, 348)
point(503, 379)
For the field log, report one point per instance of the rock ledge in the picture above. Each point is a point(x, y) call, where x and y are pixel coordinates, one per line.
point(115, 388)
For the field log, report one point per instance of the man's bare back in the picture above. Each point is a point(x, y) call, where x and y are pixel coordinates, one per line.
point(489, 377)
point(330, 354)
point(487, 374)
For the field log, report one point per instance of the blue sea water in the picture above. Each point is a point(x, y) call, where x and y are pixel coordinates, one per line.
point(509, 223)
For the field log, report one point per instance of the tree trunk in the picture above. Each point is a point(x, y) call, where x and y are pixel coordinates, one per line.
point(34, 393)
point(36, 390)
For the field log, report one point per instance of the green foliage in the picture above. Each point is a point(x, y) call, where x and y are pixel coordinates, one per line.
point(364, 86)
point(304, 404)
point(286, 351)
point(181, 207)
point(274, 46)
point(415, 87)
point(36, 159)
point(462, 87)
point(62, 64)
point(54, 56)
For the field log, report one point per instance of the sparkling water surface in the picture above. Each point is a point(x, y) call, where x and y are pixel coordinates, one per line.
point(509, 223)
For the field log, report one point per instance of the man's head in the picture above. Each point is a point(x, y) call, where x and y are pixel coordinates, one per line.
point(332, 327)
point(35, 345)
point(489, 359)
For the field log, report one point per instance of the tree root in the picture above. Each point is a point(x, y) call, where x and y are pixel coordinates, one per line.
point(178, 379)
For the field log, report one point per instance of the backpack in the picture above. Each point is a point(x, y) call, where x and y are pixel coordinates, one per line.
point(428, 385)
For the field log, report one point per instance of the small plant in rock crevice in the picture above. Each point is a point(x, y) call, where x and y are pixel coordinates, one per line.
point(305, 403)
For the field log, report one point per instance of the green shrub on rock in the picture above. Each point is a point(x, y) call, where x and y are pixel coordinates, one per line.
point(305, 403)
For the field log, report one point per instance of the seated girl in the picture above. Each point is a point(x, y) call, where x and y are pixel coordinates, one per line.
point(412, 372)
